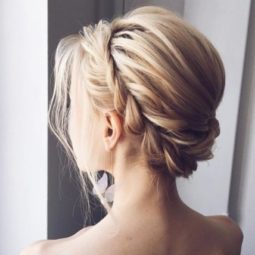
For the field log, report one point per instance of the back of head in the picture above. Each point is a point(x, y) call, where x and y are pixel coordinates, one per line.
point(162, 75)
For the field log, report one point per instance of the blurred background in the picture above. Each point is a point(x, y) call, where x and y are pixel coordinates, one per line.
point(38, 200)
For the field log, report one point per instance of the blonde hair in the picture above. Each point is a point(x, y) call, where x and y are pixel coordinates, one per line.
point(161, 75)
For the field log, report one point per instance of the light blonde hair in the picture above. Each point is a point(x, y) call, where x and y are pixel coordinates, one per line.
point(161, 75)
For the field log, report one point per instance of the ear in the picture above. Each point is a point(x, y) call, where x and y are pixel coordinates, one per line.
point(112, 129)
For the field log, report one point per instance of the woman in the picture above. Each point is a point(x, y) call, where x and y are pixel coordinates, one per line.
point(137, 98)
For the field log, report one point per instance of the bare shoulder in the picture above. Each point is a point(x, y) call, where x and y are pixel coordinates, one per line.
point(36, 248)
point(56, 246)
point(228, 225)
point(232, 233)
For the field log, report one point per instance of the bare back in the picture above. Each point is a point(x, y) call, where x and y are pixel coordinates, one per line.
point(211, 235)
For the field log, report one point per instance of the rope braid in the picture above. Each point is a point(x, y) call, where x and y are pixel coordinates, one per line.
point(124, 102)
point(127, 105)
point(172, 139)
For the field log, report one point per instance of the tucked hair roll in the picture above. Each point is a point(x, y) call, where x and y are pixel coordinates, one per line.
point(161, 75)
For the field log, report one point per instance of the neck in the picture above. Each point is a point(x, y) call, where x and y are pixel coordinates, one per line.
point(140, 194)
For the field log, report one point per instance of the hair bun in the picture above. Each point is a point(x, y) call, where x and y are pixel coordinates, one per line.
point(213, 125)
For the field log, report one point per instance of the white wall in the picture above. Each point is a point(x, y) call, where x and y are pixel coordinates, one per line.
point(23, 129)
point(242, 202)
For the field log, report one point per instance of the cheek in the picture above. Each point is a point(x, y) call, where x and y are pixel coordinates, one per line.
point(80, 134)
point(85, 136)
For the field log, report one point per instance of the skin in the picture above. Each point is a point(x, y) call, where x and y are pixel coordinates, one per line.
point(150, 220)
